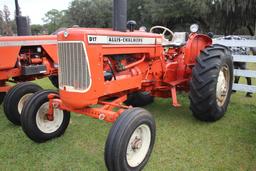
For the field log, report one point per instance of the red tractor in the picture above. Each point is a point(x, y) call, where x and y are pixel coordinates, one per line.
point(25, 58)
point(108, 74)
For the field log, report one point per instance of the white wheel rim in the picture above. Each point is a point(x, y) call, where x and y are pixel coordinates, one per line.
point(22, 101)
point(222, 86)
point(138, 145)
point(44, 124)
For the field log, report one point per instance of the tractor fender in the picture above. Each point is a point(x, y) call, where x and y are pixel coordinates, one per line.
point(195, 44)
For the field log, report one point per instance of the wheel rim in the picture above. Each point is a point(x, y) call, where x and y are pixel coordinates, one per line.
point(22, 101)
point(44, 124)
point(138, 145)
point(223, 86)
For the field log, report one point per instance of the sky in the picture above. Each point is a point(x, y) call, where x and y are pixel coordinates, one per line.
point(35, 9)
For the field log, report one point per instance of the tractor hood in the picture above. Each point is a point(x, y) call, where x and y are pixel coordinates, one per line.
point(108, 36)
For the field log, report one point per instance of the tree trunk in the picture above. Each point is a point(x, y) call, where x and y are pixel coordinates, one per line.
point(251, 31)
point(255, 27)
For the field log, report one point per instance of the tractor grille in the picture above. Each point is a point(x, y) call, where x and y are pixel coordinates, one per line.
point(73, 71)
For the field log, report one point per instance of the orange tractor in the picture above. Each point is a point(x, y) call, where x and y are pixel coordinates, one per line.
point(108, 74)
point(25, 58)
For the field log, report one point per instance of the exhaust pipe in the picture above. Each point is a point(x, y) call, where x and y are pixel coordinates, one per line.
point(23, 27)
point(17, 8)
point(119, 15)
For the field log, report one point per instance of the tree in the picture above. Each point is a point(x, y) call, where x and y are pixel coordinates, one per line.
point(218, 16)
point(233, 15)
point(54, 20)
point(1, 23)
point(88, 13)
point(37, 29)
point(6, 23)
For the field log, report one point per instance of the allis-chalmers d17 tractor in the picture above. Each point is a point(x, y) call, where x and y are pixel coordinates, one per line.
point(22, 59)
point(106, 73)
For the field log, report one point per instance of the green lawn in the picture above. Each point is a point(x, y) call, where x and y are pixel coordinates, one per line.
point(182, 143)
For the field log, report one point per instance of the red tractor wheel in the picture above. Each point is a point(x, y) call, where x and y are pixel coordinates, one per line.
point(211, 84)
point(130, 141)
point(34, 119)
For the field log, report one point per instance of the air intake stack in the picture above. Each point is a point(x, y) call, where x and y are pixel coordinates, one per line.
point(120, 15)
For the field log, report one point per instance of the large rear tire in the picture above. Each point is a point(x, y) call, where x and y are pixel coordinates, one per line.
point(130, 141)
point(16, 98)
point(34, 121)
point(211, 84)
point(139, 99)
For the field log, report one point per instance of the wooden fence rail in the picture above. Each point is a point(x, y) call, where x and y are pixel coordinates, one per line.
point(241, 58)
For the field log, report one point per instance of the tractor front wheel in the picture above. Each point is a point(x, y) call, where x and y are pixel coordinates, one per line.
point(34, 120)
point(130, 141)
point(16, 98)
point(211, 84)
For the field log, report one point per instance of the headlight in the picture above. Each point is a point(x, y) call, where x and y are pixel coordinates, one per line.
point(194, 28)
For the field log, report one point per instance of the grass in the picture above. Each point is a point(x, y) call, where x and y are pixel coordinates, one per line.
point(182, 142)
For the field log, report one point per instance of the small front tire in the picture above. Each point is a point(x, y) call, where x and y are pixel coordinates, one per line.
point(130, 141)
point(34, 118)
point(16, 98)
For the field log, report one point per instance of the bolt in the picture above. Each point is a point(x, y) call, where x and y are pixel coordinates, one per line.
point(137, 143)
point(102, 116)
point(55, 105)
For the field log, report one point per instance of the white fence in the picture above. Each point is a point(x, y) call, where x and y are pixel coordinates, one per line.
point(242, 58)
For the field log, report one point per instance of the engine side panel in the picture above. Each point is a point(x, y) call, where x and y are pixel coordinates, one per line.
point(8, 57)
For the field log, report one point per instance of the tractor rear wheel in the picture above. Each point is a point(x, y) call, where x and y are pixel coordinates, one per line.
point(211, 84)
point(139, 99)
point(54, 80)
point(34, 119)
point(2, 95)
point(130, 141)
point(16, 98)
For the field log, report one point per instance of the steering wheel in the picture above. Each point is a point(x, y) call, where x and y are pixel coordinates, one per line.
point(165, 30)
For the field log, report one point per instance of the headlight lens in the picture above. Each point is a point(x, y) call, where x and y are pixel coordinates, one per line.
point(194, 28)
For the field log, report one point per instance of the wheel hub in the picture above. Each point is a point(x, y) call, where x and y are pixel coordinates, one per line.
point(138, 145)
point(222, 86)
point(46, 125)
point(22, 101)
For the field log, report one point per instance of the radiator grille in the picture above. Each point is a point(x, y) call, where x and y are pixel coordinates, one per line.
point(73, 71)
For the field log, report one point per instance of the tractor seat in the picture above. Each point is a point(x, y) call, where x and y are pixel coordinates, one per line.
point(179, 39)
point(108, 75)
